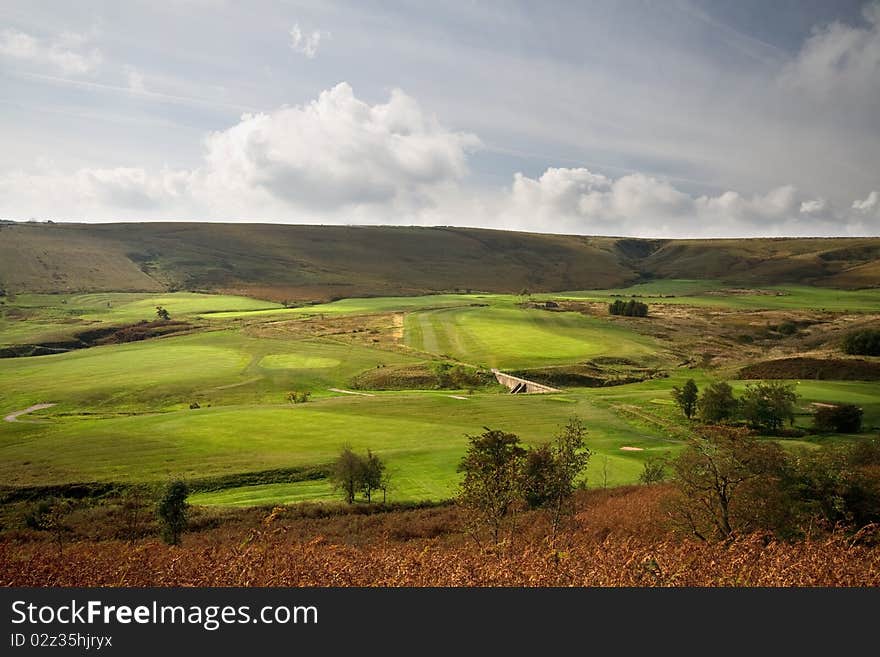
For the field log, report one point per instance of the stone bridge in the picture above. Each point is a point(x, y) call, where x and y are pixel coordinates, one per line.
point(520, 386)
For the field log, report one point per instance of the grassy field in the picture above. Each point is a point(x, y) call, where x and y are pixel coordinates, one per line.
point(507, 336)
point(211, 367)
point(123, 413)
point(46, 317)
point(714, 293)
point(369, 305)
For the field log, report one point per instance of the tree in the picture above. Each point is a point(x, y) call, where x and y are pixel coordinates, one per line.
point(172, 512)
point(571, 456)
point(717, 403)
point(371, 478)
point(132, 509)
point(686, 398)
point(839, 418)
point(491, 488)
point(538, 475)
point(653, 471)
point(551, 471)
point(768, 404)
point(346, 473)
point(727, 480)
point(162, 313)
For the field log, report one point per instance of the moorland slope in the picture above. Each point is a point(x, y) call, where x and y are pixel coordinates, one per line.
point(304, 263)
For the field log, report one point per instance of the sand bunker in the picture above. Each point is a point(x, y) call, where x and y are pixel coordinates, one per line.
point(631, 449)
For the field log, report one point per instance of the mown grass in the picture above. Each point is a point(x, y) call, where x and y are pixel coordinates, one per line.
point(774, 297)
point(123, 413)
point(420, 435)
point(512, 337)
point(46, 317)
point(213, 367)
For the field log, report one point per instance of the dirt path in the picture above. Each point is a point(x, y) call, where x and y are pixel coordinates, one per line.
point(350, 392)
point(13, 417)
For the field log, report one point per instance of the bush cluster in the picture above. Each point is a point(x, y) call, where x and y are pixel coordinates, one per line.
point(631, 308)
point(865, 342)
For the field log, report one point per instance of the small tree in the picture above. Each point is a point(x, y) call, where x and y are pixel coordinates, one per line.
point(162, 313)
point(491, 488)
point(346, 473)
point(767, 405)
point(841, 418)
point(298, 396)
point(653, 471)
point(133, 511)
point(551, 470)
point(725, 478)
point(371, 478)
point(686, 398)
point(538, 475)
point(717, 403)
point(172, 512)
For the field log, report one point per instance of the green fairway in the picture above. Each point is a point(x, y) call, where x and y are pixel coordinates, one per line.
point(46, 317)
point(217, 367)
point(511, 337)
point(714, 293)
point(422, 437)
point(372, 305)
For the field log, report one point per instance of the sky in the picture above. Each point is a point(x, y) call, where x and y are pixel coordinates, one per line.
point(682, 118)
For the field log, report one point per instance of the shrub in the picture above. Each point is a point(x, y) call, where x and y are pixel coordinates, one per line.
point(865, 342)
point(843, 418)
point(298, 396)
point(787, 328)
point(172, 512)
point(631, 308)
point(653, 471)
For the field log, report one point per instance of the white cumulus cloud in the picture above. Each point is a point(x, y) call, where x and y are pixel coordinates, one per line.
point(336, 158)
point(68, 52)
point(306, 43)
point(579, 201)
point(840, 59)
point(339, 159)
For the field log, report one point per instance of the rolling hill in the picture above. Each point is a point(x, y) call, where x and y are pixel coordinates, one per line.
point(305, 263)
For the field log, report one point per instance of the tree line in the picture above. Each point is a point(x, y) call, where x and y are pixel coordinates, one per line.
point(766, 406)
point(729, 482)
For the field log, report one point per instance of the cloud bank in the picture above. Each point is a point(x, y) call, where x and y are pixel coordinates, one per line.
point(339, 159)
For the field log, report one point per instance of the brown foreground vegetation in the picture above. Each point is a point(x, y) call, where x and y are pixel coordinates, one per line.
point(619, 537)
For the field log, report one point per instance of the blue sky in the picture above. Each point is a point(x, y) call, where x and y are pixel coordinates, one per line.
point(679, 118)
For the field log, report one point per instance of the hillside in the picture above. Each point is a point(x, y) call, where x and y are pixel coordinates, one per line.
point(291, 262)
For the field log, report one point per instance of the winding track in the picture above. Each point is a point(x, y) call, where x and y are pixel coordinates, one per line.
point(13, 417)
